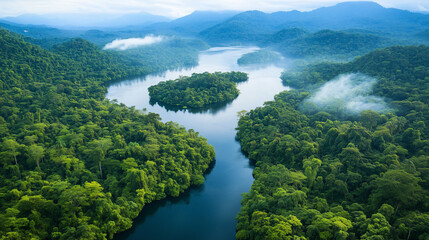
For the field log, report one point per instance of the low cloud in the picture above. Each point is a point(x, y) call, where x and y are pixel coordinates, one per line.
point(124, 44)
point(346, 94)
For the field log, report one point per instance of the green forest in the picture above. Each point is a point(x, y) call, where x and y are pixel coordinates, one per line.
point(197, 91)
point(73, 164)
point(343, 154)
point(323, 176)
point(341, 45)
point(259, 57)
point(160, 58)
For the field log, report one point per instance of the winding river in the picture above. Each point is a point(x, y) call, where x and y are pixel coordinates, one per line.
point(207, 211)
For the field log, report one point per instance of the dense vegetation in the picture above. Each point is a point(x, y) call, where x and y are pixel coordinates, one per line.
point(172, 53)
point(259, 57)
point(47, 37)
point(393, 75)
point(338, 44)
point(424, 35)
point(321, 177)
point(74, 165)
point(197, 91)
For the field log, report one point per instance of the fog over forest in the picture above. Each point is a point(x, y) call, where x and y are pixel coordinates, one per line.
point(125, 44)
point(350, 91)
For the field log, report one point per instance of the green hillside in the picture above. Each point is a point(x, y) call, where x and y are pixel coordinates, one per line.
point(73, 164)
point(252, 26)
point(262, 56)
point(319, 176)
point(329, 43)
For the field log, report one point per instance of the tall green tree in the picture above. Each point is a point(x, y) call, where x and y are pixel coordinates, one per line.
point(10, 149)
point(36, 153)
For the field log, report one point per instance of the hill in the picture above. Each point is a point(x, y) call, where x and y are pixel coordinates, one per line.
point(190, 25)
point(79, 21)
point(335, 44)
point(424, 35)
point(347, 15)
point(75, 165)
point(47, 37)
point(286, 36)
point(121, 27)
point(321, 175)
point(249, 26)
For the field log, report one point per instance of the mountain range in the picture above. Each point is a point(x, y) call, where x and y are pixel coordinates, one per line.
point(74, 20)
point(252, 25)
point(231, 27)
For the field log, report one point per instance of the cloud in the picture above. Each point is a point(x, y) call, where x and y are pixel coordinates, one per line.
point(124, 44)
point(346, 94)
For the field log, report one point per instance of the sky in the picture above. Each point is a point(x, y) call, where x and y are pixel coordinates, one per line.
point(179, 8)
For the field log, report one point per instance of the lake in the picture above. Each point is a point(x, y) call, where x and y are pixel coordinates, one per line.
point(207, 211)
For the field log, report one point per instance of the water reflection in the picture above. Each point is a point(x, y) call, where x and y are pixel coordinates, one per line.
point(151, 209)
point(211, 109)
point(206, 212)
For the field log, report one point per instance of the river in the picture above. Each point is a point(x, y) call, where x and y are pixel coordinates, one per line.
point(207, 211)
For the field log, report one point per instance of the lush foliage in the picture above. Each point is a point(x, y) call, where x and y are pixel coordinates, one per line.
point(328, 44)
point(169, 54)
point(74, 165)
point(424, 35)
point(318, 177)
point(337, 44)
point(402, 75)
point(197, 91)
point(172, 53)
point(47, 37)
point(259, 57)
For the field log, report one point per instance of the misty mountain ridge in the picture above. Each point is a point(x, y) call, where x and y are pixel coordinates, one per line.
point(339, 45)
point(47, 37)
point(287, 34)
point(205, 16)
point(350, 22)
point(74, 20)
point(424, 35)
point(359, 15)
point(192, 24)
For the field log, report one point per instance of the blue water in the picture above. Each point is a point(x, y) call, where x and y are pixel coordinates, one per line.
point(207, 211)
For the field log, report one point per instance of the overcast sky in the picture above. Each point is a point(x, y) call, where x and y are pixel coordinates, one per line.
point(178, 8)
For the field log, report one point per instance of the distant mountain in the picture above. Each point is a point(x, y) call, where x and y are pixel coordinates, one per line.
point(251, 26)
point(246, 27)
point(204, 18)
point(36, 31)
point(191, 24)
point(228, 27)
point(88, 20)
point(47, 37)
point(286, 35)
point(423, 35)
point(367, 15)
point(137, 19)
point(335, 44)
point(25, 19)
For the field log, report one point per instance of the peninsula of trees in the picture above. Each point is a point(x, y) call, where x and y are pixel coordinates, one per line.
point(197, 91)
point(259, 57)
